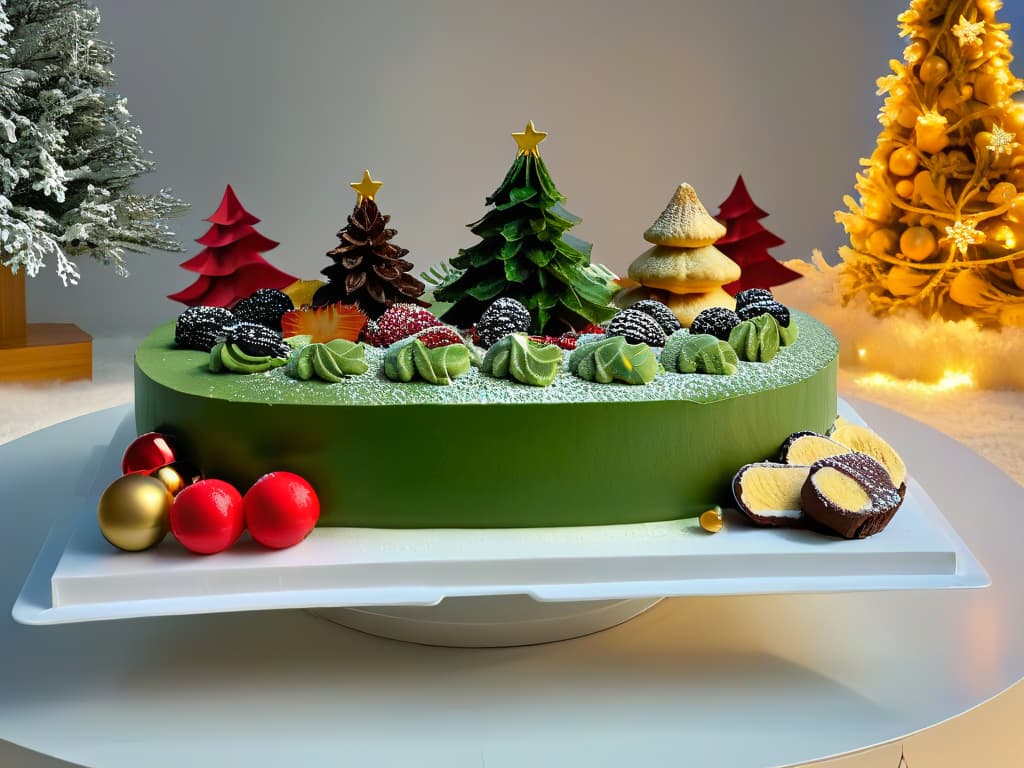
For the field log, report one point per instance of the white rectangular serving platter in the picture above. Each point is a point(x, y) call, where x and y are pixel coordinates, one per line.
point(78, 576)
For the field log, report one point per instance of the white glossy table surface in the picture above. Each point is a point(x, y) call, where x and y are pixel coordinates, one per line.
point(723, 681)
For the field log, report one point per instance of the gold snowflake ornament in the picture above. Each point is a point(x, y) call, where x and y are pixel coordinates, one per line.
point(968, 33)
point(963, 234)
point(1002, 141)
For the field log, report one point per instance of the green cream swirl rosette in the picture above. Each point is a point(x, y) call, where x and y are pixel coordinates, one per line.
point(756, 340)
point(331, 361)
point(518, 357)
point(411, 358)
point(614, 359)
point(229, 357)
point(698, 353)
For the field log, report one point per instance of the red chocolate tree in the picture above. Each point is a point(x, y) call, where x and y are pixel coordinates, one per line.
point(230, 265)
point(747, 242)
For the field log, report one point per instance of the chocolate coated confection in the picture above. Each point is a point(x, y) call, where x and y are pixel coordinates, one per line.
point(753, 296)
point(850, 494)
point(769, 493)
point(660, 312)
point(716, 321)
point(200, 327)
point(265, 307)
point(506, 315)
point(807, 447)
point(485, 452)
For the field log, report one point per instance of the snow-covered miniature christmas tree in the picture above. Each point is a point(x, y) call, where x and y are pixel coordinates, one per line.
point(69, 154)
point(69, 148)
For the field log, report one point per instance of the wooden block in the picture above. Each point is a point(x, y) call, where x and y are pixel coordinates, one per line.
point(48, 352)
point(12, 305)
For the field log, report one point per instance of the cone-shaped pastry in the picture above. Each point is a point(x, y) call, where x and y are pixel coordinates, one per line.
point(690, 270)
point(685, 222)
point(686, 306)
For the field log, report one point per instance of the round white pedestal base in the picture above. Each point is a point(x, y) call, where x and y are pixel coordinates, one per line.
point(489, 622)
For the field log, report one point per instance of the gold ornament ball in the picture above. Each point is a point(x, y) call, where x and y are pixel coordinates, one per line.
point(133, 512)
point(934, 70)
point(711, 520)
point(905, 189)
point(917, 243)
point(882, 241)
point(903, 161)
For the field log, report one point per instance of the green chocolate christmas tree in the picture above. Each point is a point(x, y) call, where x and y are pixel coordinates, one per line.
point(526, 254)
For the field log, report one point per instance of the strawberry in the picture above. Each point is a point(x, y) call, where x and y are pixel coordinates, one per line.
point(335, 321)
point(439, 336)
point(402, 320)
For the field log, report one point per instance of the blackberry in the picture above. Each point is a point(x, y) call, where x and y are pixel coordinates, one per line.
point(256, 339)
point(504, 316)
point(666, 317)
point(752, 296)
point(637, 327)
point(773, 308)
point(198, 327)
point(264, 307)
point(717, 321)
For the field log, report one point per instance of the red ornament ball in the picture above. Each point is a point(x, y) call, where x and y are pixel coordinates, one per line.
point(207, 516)
point(281, 509)
point(146, 453)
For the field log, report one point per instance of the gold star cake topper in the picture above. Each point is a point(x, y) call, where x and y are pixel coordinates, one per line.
point(529, 139)
point(367, 188)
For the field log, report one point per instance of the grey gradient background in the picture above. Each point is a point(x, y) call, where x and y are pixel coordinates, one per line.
point(289, 101)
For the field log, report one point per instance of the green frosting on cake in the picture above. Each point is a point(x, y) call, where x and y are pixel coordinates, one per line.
point(518, 357)
point(484, 429)
point(228, 357)
point(756, 340)
point(332, 361)
point(698, 353)
point(788, 333)
point(614, 359)
point(411, 358)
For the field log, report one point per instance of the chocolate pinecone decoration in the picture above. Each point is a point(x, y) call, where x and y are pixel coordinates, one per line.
point(368, 270)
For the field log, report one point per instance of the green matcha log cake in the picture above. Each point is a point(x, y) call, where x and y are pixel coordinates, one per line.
point(523, 397)
point(485, 452)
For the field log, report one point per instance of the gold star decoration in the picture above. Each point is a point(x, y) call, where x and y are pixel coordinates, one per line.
point(1002, 141)
point(529, 139)
point(963, 234)
point(367, 188)
point(968, 33)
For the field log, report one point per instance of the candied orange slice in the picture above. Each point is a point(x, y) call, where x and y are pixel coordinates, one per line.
point(335, 321)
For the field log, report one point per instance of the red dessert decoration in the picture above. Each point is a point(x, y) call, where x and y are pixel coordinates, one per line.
point(747, 242)
point(207, 516)
point(441, 336)
point(230, 265)
point(335, 321)
point(281, 509)
point(147, 453)
point(402, 320)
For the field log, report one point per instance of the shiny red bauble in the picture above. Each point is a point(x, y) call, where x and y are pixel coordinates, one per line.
point(281, 509)
point(207, 516)
point(146, 453)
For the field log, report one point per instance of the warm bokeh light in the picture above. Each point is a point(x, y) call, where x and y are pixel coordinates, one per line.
point(951, 380)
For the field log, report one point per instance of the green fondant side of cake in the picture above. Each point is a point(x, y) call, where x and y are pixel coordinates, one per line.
point(415, 455)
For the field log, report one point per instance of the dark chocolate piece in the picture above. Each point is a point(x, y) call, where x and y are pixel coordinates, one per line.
point(850, 494)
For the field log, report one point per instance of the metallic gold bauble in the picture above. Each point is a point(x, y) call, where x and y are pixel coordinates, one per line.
point(711, 521)
point(176, 476)
point(933, 70)
point(903, 161)
point(905, 189)
point(918, 243)
point(882, 241)
point(133, 512)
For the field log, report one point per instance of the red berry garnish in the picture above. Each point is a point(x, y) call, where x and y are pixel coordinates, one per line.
point(591, 328)
point(280, 509)
point(440, 336)
point(402, 320)
point(207, 516)
point(335, 321)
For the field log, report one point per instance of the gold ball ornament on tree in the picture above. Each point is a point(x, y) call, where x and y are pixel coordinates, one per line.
point(133, 512)
point(903, 161)
point(918, 243)
point(882, 241)
point(933, 70)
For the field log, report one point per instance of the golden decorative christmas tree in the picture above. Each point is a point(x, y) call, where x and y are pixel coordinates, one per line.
point(940, 221)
